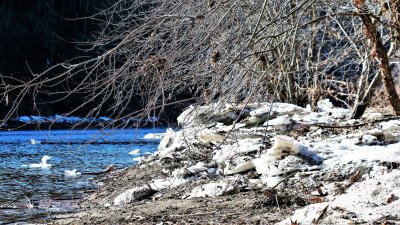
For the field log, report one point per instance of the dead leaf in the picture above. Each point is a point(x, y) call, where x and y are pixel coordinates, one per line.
point(316, 200)
point(269, 193)
point(293, 222)
point(392, 198)
point(356, 176)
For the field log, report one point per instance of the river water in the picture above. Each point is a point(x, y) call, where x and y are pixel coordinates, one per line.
point(49, 189)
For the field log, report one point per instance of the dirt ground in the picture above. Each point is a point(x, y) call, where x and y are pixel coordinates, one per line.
point(168, 207)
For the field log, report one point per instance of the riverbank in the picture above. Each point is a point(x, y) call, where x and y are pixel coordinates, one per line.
point(258, 164)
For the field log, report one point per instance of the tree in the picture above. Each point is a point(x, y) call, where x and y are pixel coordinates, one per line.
point(389, 10)
point(218, 51)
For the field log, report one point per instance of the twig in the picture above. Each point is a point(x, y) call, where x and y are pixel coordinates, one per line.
point(321, 215)
point(195, 214)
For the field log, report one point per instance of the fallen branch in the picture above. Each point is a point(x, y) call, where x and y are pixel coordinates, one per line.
point(355, 125)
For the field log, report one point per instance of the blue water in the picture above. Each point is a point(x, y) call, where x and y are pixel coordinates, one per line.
point(83, 150)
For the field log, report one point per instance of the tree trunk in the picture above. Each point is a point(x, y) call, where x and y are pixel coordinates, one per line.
point(380, 52)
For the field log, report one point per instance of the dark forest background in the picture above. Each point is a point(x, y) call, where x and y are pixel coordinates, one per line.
point(37, 34)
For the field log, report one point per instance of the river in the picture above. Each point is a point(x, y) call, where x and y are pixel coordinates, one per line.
point(49, 189)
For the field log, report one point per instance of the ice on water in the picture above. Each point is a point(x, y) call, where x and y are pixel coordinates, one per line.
point(43, 164)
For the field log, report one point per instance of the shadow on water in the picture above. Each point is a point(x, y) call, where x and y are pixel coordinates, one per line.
point(30, 194)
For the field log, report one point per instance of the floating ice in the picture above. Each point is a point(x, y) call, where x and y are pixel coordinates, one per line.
point(134, 152)
point(34, 142)
point(43, 164)
point(71, 173)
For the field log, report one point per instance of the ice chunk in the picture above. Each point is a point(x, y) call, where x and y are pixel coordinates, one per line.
point(34, 142)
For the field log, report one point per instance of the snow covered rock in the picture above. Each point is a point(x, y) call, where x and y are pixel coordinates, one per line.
point(206, 136)
point(242, 146)
point(160, 184)
point(134, 194)
point(306, 215)
point(214, 189)
point(171, 142)
point(243, 167)
point(196, 115)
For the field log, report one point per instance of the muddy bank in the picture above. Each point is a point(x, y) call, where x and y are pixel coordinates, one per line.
point(258, 164)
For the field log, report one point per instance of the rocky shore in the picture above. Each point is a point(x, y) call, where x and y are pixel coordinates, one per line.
point(258, 163)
